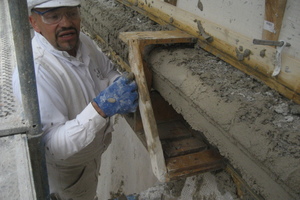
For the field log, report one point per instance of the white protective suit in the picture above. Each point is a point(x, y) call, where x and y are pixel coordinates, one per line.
point(75, 134)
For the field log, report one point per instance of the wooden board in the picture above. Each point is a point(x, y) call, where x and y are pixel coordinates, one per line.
point(182, 146)
point(202, 161)
point(157, 37)
point(274, 12)
point(163, 111)
point(173, 129)
point(146, 111)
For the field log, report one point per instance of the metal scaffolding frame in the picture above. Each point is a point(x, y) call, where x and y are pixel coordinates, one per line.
point(24, 60)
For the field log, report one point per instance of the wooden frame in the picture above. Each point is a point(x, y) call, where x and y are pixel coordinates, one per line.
point(137, 42)
point(225, 44)
point(183, 154)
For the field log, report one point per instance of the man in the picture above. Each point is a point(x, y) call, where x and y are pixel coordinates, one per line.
point(78, 91)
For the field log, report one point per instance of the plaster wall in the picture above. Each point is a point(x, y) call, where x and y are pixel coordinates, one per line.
point(290, 30)
point(247, 18)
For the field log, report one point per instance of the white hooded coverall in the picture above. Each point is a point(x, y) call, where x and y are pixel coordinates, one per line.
point(75, 135)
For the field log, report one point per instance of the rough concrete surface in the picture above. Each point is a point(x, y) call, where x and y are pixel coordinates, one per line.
point(253, 126)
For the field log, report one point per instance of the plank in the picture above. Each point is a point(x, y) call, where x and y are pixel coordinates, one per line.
point(163, 111)
point(173, 129)
point(149, 124)
point(274, 12)
point(157, 37)
point(203, 161)
point(192, 172)
point(194, 160)
point(182, 146)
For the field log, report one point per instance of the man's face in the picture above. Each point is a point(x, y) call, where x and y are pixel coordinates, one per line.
point(62, 35)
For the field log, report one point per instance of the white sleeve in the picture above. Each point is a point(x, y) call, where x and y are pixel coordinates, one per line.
point(63, 137)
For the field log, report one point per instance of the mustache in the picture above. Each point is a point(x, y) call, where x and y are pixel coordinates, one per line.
point(65, 29)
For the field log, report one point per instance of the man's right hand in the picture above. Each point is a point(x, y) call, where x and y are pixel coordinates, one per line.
point(121, 97)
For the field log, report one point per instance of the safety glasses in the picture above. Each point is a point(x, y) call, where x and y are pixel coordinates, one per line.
point(55, 15)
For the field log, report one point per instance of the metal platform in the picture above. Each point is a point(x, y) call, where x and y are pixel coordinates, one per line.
point(15, 172)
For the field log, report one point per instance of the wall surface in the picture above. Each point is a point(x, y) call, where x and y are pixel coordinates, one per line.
point(247, 18)
point(290, 30)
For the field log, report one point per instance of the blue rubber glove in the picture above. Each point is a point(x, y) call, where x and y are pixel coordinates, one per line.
point(119, 98)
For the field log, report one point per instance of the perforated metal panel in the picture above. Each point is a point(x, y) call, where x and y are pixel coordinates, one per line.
point(11, 121)
point(6, 56)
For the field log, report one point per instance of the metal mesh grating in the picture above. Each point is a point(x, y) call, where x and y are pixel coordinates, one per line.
point(6, 55)
point(11, 114)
